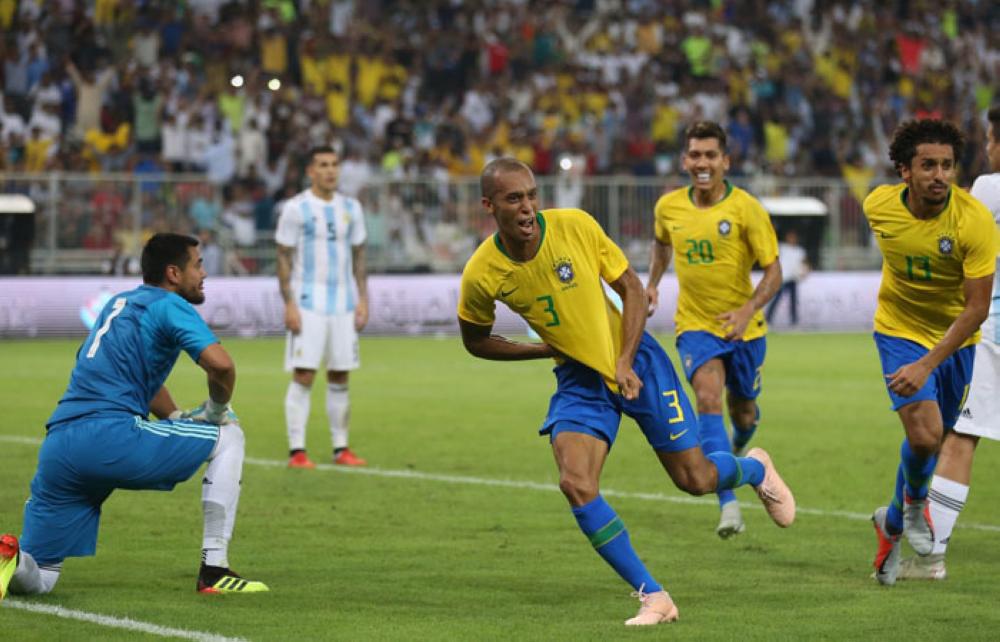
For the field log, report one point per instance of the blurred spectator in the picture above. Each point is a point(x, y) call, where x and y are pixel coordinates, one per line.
point(211, 254)
point(90, 87)
point(413, 90)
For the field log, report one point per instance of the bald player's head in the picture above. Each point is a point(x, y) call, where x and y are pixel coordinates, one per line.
point(488, 179)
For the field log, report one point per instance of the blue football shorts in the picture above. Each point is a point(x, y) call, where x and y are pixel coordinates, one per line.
point(81, 462)
point(947, 385)
point(742, 359)
point(584, 403)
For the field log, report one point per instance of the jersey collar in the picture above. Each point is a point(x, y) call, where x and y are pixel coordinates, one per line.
point(541, 239)
point(906, 206)
point(729, 190)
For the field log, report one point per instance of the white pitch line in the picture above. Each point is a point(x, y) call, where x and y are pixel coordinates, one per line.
point(117, 622)
point(547, 487)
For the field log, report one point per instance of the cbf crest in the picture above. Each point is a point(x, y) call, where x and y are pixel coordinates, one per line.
point(725, 227)
point(946, 245)
point(563, 267)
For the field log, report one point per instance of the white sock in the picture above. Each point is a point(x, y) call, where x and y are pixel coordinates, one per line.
point(31, 579)
point(220, 495)
point(338, 411)
point(947, 499)
point(296, 414)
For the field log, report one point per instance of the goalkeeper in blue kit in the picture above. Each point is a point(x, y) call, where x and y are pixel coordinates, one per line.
point(100, 437)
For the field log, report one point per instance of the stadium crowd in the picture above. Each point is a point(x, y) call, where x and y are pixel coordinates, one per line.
point(415, 90)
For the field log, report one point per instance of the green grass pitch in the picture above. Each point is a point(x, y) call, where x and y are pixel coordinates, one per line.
point(457, 532)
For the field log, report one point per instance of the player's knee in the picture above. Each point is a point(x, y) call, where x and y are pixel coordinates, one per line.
point(304, 377)
point(744, 418)
point(709, 402)
point(578, 489)
point(695, 480)
point(231, 437)
point(925, 444)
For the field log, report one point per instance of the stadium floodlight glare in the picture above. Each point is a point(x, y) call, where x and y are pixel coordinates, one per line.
point(236, 81)
point(274, 84)
point(565, 163)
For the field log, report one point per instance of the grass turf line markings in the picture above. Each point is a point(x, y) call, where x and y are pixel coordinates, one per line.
point(117, 622)
point(529, 485)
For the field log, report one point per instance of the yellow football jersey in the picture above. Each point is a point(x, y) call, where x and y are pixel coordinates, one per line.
point(925, 261)
point(714, 250)
point(558, 292)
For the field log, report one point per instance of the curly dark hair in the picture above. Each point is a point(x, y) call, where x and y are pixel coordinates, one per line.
point(912, 133)
point(705, 129)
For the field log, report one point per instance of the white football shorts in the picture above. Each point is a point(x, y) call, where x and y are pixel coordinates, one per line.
point(981, 414)
point(324, 338)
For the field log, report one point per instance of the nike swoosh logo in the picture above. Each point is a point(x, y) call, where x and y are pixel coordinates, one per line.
point(504, 295)
point(674, 436)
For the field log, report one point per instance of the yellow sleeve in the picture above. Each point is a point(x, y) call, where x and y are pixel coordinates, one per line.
point(613, 261)
point(660, 222)
point(760, 234)
point(475, 305)
point(981, 247)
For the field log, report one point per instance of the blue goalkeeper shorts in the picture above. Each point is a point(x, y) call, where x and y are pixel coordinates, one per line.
point(584, 403)
point(81, 462)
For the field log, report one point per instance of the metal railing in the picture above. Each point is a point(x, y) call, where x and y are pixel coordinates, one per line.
point(83, 222)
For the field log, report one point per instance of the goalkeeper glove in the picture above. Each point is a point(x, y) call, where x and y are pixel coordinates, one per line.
point(210, 412)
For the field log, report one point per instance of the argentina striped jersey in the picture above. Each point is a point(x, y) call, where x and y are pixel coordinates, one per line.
point(322, 234)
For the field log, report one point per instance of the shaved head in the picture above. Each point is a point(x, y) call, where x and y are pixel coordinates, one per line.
point(488, 179)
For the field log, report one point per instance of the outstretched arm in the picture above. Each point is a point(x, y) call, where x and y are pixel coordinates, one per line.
point(480, 342)
point(734, 322)
point(629, 288)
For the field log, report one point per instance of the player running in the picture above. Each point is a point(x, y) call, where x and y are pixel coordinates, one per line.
point(939, 250)
point(548, 267)
point(717, 232)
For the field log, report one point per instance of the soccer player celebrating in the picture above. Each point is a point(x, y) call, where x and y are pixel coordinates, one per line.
point(981, 414)
point(717, 232)
point(99, 438)
point(322, 277)
point(548, 267)
point(939, 251)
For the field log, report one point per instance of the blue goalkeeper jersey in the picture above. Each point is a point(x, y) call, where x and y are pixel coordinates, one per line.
point(131, 350)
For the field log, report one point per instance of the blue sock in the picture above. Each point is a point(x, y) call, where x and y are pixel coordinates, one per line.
point(894, 516)
point(736, 471)
point(917, 471)
point(607, 534)
point(712, 433)
point(912, 478)
point(742, 435)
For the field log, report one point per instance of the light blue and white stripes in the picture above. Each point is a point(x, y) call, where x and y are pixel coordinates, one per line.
point(323, 233)
point(168, 428)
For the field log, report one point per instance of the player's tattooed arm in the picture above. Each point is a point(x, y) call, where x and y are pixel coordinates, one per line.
point(293, 320)
point(480, 341)
point(358, 262)
point(285, 256)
